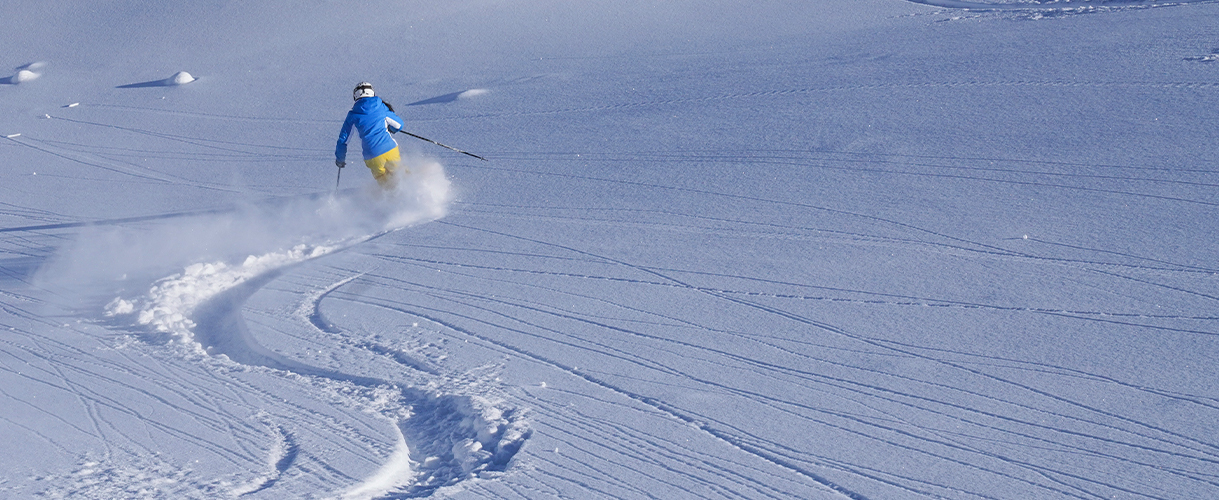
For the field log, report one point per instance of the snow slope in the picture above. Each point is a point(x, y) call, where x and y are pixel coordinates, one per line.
point(884, 249)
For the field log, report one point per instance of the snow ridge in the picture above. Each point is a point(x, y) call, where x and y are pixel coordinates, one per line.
point(282, 455)
point(171, 301)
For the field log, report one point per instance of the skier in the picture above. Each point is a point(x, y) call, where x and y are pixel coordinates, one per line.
point(375, 120)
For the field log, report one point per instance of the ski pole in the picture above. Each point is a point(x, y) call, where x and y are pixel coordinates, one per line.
point(441, 145)
point(336, 179)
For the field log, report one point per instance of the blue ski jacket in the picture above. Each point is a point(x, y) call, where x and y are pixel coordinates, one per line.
point(375, 122)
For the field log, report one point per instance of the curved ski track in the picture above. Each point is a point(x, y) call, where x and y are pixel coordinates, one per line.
point(436, 422)
point(432, 424)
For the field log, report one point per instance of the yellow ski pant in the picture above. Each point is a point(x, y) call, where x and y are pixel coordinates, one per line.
point(385, 167)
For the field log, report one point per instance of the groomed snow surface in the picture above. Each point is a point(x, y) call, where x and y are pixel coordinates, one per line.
point(881, 249)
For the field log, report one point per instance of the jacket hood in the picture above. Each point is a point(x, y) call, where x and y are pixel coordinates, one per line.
point(366, 104)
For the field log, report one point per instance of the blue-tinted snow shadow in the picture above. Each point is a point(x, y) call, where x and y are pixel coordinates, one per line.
point(439, 99)
point(154, 83)
point(179, 78)
point(18, 270)
point(447, 98)
point(12, 80)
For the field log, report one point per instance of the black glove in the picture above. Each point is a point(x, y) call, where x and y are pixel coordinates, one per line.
point(340, 163)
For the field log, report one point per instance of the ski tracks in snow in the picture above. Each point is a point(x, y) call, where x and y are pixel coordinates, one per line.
point(1026, 422)
point(439, 439)
point(1081, 427)
point(451, 437)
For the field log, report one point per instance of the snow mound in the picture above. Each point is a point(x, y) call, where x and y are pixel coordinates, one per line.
point(25, 75)
point(179, 78)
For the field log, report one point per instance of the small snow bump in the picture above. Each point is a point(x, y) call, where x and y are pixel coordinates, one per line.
point(25, 75)
point(180, 78)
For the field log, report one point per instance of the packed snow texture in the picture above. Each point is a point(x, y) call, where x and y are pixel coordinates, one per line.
point(874, 249)
point(1058, 5)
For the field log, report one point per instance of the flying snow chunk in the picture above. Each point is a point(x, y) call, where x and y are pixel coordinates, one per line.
point(119, 307)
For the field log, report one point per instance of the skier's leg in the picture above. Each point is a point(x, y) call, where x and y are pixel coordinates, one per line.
point(393, 164)
point(378, 170)
point(383, 167)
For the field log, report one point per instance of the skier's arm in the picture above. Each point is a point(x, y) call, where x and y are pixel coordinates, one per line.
point(393, 122)
point(340, 150)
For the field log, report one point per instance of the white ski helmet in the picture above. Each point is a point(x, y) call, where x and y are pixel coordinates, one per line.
point(364, 89)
